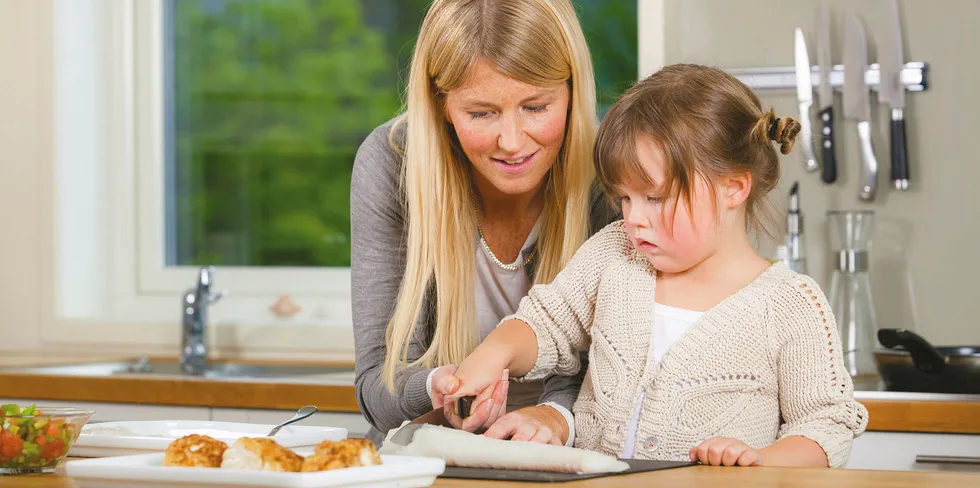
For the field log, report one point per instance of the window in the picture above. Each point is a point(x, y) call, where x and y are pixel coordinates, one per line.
point(230, 131)
point(267, 102)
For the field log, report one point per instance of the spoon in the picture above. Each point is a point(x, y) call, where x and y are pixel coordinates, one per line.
point(300, 415)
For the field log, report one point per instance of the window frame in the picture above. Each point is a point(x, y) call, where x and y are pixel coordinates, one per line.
point(135, 284)
point(322, 293)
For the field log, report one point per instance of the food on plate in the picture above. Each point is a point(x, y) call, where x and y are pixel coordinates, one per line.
point(32, 439)
point(261, 454)
point(264, 454)
point(195, 451)
point(347, 453)
point(465, 449)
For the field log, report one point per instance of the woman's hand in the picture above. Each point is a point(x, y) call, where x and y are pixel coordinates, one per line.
point(539, 423)
point(444, 383)
point(485, 409)
point(725, 451)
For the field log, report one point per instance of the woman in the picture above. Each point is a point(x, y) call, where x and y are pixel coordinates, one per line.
point(480, 189)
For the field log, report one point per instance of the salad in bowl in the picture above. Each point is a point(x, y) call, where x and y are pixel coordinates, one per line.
point(36, 439)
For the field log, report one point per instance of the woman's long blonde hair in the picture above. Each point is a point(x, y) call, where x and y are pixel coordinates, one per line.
point(539, 42)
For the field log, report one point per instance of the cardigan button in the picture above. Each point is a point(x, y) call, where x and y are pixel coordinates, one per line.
point(652, 443)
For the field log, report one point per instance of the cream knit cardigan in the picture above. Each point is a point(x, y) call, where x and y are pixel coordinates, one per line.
point(762, 365)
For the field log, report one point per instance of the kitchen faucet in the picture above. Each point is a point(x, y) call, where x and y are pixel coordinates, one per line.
point(194, 353)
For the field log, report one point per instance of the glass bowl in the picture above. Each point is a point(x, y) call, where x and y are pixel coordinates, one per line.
point(35, 440)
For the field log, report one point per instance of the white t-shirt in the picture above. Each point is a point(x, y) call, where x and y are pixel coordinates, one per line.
point(669, 324)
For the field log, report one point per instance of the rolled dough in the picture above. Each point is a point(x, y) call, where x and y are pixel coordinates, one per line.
point(464, 449)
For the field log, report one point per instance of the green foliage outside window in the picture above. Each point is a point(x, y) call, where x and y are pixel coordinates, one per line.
point(269, 100)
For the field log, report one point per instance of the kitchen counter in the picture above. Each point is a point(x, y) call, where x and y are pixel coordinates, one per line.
point(889, 411)
point(921, 412)
point(328, 394)
point(695, 476)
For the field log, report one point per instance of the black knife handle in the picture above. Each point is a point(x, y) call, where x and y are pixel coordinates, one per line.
point(463, 406)
point(900, 153)
point(827, 149)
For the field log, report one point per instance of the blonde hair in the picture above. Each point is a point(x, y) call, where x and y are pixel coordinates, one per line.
point(539, 42)
point(708, 124)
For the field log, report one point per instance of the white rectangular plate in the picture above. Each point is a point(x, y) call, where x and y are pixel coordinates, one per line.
point(138, 437)
point(148, 470)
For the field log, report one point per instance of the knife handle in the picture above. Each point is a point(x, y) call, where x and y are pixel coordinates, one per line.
point(827, 148)
point(869, 173)
point(900, 151)
point(463, 406)
point(809, 155)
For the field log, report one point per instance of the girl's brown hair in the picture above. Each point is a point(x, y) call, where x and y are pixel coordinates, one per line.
point(707, 123)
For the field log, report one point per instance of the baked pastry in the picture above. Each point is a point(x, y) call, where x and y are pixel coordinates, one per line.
point(260, 454)
point(347, 453)
point(195, 451)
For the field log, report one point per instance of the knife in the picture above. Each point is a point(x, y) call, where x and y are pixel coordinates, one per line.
point(804, 95)
point(892, 91)
point(827, 149)
point(404, 435)
point(856, 104)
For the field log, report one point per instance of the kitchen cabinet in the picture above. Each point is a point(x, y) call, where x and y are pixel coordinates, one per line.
point(355, 423)
point(898, 450)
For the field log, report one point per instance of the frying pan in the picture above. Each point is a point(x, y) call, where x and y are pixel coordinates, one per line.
point(911, 363)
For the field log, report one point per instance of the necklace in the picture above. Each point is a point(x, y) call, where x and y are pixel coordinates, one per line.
point(492, 256)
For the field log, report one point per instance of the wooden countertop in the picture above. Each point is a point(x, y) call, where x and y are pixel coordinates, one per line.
point(156, 389)
point(695, 476)
point(937, 416)
point(898, 412)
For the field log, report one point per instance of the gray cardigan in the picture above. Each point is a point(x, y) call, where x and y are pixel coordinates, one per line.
point(378, 239)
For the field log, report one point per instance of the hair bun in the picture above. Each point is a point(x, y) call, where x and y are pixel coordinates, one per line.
point(780, 130)
point(784, 132)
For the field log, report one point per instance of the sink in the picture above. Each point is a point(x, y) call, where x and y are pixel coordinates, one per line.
point(224, 370)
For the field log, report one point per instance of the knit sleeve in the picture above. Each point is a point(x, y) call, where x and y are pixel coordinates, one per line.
point(560, 313)
point(816, 395)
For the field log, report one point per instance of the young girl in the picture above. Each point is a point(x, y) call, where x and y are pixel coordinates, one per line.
point(699, 348)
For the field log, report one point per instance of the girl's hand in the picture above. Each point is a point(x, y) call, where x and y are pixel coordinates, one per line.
point(479, 376)
point(725, 451)
point(485, 409)
point(481, 370)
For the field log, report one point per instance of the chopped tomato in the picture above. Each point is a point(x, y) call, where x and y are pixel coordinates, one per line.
point(53, 450)
point(10, 445)
point(53, 429)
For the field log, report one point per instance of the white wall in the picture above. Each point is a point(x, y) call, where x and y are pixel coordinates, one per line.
point(928, 235)
point(25, 150)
